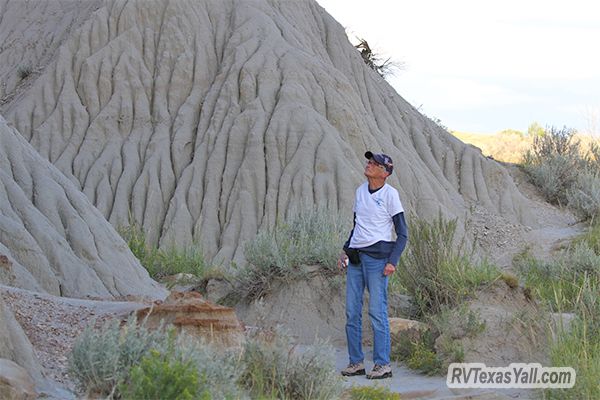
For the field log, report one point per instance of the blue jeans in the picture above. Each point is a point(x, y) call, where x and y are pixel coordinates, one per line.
point(368, 274)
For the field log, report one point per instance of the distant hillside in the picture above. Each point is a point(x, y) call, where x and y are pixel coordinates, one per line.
point(507, 146)
point(510, 146)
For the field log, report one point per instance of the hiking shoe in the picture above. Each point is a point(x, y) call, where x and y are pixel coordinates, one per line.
point(354, 369)
point(380, 372)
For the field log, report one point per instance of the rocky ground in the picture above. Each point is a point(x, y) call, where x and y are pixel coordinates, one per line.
point(500, 239)
point(53, 323)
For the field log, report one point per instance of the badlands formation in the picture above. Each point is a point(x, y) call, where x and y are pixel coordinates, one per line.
point(203, 121)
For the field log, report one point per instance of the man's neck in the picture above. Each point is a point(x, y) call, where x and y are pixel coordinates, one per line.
point(375, 184)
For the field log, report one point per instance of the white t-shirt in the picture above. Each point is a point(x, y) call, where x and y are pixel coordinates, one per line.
point(374, 214)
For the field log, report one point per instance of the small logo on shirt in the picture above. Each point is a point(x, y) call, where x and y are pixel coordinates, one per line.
point(378, 201)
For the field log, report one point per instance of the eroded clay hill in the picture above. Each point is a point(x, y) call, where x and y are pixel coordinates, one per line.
point(52, 239)
point(207, 120)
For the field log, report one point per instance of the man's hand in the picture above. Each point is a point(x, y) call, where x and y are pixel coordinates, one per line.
point(342, 262)
point(388, 269)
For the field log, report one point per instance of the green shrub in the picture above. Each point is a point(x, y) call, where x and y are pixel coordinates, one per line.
point(373, 393)
point(417, 352)
point(101, 358)
point(161, 376)
point(424, 359)
point(555, 142)
point(555, 177)
point(565, 174)
point(163, 262)
point(309, 237)
point(435, 271)
point(554, 162)
point(276, 370)
point(133, 361)
point(584, 195)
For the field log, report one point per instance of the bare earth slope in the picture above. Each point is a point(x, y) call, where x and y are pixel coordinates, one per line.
point(207, 120)
point(31, 32)
point(51, 237)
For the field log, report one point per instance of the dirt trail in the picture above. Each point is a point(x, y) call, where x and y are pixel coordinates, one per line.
point(501, 240)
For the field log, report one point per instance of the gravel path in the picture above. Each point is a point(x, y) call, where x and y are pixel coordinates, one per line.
point(53, 323)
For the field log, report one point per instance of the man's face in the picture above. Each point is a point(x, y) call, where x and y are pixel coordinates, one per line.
point(375, 170)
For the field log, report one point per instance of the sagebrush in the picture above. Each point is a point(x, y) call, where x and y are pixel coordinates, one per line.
point(274, 369)
point(566, 173)
point(436, 269)
point(308, 237)
point(101, 358)
point(131, 362)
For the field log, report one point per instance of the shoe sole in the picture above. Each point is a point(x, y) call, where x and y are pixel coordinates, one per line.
point(359, 372)
point(386, 375)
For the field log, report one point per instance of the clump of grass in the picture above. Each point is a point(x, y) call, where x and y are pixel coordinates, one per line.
point(373, 393)
point(579, 347)
point(275, 369)
point(164, 262)
point(558, 282)
point(591, 237)
point(435, 271)
point(310, 237)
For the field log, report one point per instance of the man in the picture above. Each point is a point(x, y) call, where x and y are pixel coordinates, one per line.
point(370, 256)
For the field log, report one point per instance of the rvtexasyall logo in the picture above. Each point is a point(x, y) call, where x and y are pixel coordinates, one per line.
point(378, 201)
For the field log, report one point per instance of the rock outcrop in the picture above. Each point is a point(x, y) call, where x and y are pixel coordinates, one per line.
point(208, 120)
point(188, 312)
point(52, 239)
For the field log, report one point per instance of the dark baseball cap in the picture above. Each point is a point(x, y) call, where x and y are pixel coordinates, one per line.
point(381, 159)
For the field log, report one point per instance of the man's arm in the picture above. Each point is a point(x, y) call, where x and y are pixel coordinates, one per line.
point(347, 244)
point(399, 245)
point(343, 260)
